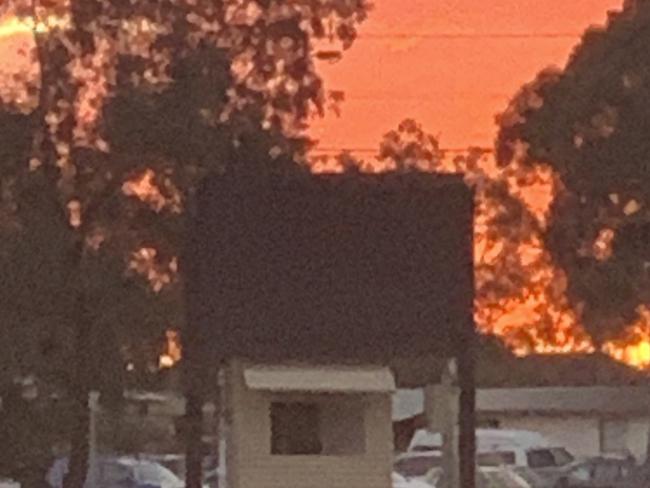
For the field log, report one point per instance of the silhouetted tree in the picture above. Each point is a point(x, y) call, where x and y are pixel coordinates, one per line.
point(589, 123)
point(136, 102)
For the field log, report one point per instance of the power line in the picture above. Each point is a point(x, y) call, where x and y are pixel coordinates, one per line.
point(333, 150)
point(469, 35)
point(422, 98)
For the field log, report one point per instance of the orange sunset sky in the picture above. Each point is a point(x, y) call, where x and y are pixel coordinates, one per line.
point(453, 86)
point(450, 64)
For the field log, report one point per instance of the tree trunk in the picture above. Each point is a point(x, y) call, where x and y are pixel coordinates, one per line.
point(195, 360)
point(79, 450)
point(57, 86)
point(467, 419)
point(192, 372)
point(80, 388)
point(194, 417)
point(193, 369)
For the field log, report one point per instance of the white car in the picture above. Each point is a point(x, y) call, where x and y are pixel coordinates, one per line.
point(416, 465)
point(8, 483)
point(485, 478)
point(144, 473)
point(486, 439)
point(114, 472)
point(400, 482)
point(516, 448)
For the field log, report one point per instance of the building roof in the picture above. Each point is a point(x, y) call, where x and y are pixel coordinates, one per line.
point(497, 367)
point(565, 400)
point(580, 400)
point(550, 370)
point(556, 375)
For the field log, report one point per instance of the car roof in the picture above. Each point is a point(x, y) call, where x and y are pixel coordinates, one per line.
point(126, 461)
point(418, 454)
point(494, 437)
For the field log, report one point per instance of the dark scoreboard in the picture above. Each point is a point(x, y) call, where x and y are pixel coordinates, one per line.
point(331, 268)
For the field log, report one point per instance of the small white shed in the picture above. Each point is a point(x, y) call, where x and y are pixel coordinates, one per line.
point(308, 426)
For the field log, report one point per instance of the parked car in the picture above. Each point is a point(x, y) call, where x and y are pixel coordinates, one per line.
point(596, 472)
point(639, 477)
point(417, 464)
point(176, 462)
point(121, 472)
point(214, 478)
point(486, 477)
point(400, 482)
point(8, 483)
point(519, 449)
point(541, 466)
point(486, 439)
point(173, 462)
point(534, 479)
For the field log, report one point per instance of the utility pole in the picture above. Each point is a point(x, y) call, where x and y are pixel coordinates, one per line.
point(441, 405)
point(222, 429)
point(93, 405)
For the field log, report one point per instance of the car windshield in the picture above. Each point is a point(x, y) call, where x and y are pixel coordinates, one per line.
point(562, 456)
point(156, 474)
point(417, 465)
point(546, 458)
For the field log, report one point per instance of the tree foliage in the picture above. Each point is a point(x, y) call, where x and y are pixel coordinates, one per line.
point(589, 124)
point(135, 103)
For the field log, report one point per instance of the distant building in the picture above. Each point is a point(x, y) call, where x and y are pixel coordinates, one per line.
point(587, 420)
point(587, 403)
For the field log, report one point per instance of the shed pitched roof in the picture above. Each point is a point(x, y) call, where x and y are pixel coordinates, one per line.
point(330, 379)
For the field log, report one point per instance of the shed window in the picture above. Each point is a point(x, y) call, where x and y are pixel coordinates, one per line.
point(335, 426)
point(295, 428)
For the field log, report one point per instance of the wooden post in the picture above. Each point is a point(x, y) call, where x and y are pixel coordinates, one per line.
point(466, 414)
point(441, 403)
point(466, 352)
point(93, 405)
point(195, 362)
point(222, 429)
point(193, 454)
point(451, 458)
